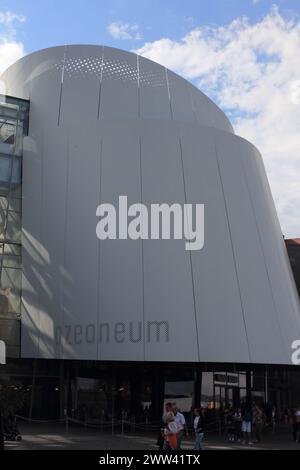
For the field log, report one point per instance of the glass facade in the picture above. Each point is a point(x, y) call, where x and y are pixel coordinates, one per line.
point(99, 392)
point(13, 127)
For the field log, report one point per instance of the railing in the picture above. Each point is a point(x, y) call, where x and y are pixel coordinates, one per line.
point(124, 426)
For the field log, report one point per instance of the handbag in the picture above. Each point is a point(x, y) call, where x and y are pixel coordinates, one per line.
point(172, 441)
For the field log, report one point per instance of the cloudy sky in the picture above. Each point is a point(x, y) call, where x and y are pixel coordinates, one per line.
point(244, 54)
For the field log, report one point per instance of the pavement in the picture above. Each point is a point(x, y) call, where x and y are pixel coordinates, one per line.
point(43, 437)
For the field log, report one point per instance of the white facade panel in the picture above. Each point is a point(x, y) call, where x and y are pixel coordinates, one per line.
point(80, 262)
point(80, 85)
point(120, 261)
point(153, 91)
point(45, 79)
point(13, 78)
point(181, 99)
point(217, 118)
point(200, 104)
point(119, 88)
point(222, 332)
point(261, 320)
point(53, 150)
point(166, 262)
point(105, 123)
point(274, 251)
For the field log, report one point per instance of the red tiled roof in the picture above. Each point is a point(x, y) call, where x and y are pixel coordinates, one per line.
point(292, 241)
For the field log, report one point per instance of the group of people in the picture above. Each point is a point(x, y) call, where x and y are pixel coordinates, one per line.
point(174, 428)
point(244, 424)
point(294, 418)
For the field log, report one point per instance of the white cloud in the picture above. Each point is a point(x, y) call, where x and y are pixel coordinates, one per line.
point(119, 30)
point(10, 49)
point(252, 71)
point(8, 17)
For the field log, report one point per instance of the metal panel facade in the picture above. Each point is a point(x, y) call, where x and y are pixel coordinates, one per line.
point(106, 123)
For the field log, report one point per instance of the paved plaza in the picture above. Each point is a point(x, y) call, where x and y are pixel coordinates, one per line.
point(42, 437)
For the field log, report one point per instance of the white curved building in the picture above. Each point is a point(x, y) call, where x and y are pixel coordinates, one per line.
point(105, 123)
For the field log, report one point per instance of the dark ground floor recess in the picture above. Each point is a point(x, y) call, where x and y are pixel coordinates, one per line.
point(97, 392)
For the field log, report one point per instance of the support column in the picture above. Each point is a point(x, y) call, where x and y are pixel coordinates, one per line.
point(32, 397)
point(248, 386)
point(61, 389)
point(197, 386)
point(135, 394)
point(266, 385)
point(158, 391)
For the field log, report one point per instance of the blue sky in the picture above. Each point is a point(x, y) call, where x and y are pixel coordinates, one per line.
point(53, 22)
point(244, 54)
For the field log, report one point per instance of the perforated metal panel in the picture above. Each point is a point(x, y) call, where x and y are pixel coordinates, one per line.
point(108, 69)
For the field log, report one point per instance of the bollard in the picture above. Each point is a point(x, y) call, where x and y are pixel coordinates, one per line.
point(112, 425)
point(66, 421)
point(132, 427)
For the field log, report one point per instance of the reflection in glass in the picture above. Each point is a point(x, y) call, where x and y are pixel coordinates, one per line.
point(207, 390)
point(13, 127)
point(180, 393)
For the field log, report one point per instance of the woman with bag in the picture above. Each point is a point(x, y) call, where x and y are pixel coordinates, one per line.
point(170, 432)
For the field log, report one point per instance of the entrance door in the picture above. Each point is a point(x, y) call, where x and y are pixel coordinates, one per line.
point(226, 396)
point(220, 396)
point(235, 397)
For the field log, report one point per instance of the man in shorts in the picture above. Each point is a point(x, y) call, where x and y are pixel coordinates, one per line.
point(246, 423)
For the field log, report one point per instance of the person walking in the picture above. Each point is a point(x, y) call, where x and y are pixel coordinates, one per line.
point(170, 432)
point(257, 422)
point(246, 422)
point(297, 419)
point(293, 422)
point(286, 415)
point(230, 425)
point(237, 416)
point(273, 419)
point(199, 427)
point(182, 427)
point(161, 438)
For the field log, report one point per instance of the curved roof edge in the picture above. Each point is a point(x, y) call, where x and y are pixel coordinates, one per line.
point(217, 117)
